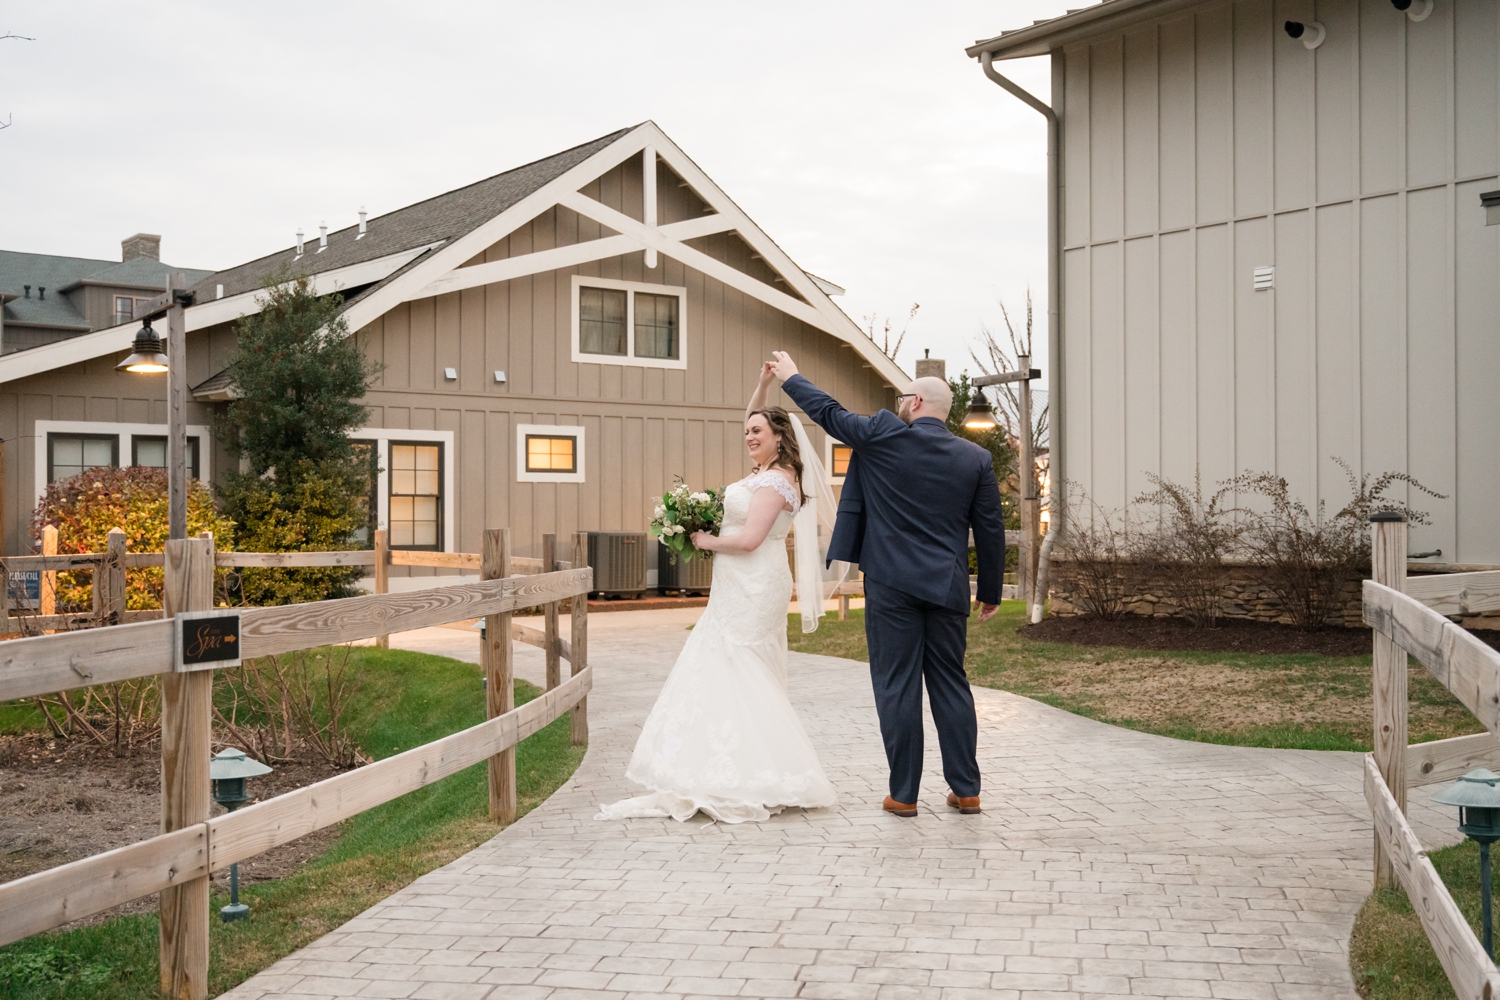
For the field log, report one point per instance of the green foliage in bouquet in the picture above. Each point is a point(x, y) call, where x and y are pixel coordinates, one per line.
point(683, 511)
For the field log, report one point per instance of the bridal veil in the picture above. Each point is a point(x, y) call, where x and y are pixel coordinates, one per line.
point(816, 578)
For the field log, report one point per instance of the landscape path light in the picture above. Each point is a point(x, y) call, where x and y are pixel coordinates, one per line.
point(1478, 799)
point(228, 771)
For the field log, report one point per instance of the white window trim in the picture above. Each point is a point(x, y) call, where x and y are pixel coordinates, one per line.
point(382, 437)
point(551, 430)
point(631, 288)
point(126, 433)
point(828, 444)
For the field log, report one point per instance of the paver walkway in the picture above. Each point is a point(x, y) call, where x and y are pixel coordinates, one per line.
point(1108, 863)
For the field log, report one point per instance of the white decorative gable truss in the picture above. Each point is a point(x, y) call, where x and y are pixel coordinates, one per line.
point(441, 270)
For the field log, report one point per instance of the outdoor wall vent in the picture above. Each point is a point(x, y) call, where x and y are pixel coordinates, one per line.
point(1491, 202)
point(451, 374)
point(1311, 33)
point(1417, 10)
point(499, 376)
point(1264, 277)
point(361, 223)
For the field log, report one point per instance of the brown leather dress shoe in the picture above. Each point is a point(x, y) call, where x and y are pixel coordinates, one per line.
point(966, 804)
point(899, 808)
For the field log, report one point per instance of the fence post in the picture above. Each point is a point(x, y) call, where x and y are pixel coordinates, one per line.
point(549, 613)
point(499, 685)
point(47, 589)
point(111, 575)
point(382, 574)
point(185, 750)
point(578, 614)
point(1388, 567)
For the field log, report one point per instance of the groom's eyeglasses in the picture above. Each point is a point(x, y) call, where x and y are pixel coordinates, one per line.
point(905, 395)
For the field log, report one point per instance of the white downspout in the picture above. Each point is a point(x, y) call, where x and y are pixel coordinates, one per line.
point(1056, 522)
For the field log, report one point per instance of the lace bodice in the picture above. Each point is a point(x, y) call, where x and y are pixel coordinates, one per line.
point(737, 503)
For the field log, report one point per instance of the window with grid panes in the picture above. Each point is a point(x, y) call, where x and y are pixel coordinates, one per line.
point(151, 452)
point(551, 454)
point(601, 321)
point(416, 495)
point(656, 326)
point(70, 454)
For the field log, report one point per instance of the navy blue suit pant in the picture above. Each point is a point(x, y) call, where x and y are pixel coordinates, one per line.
point(912, 640)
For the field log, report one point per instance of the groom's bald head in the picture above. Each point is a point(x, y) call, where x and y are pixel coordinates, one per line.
point(933, 399)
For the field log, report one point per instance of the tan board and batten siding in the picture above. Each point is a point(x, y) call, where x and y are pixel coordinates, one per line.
point(1205, 144)
point(643, 426)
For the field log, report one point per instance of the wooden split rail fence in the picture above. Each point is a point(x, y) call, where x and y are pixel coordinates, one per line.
point(108, 568)
point(1409, 617)
point(178, 862)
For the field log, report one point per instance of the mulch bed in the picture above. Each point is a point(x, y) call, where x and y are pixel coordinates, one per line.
point(62, 800)
point(1234, 635)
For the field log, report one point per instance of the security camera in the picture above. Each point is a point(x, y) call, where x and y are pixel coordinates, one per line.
point(1310, 33)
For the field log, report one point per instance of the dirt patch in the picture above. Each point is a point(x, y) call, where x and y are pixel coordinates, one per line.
point(63, 800)
point(1233, 636)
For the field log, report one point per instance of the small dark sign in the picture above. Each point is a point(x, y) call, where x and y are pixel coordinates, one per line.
point(206, 641)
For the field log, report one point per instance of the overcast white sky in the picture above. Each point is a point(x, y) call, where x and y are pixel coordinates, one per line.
point(856, 134)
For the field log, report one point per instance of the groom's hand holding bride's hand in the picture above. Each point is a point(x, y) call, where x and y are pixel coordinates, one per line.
point(987, 611)
point(783, 366)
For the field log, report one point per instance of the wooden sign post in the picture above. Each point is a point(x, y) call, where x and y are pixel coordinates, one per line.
point(1388, 567)
point(187, 708)
point(499, 683)
point(578, 651)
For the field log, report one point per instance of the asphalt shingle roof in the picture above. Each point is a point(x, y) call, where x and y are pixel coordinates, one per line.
point(57, 274)
point(444, 217)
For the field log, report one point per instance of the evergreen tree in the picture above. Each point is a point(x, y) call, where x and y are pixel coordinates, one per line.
point(997, 442)
point(299, 378)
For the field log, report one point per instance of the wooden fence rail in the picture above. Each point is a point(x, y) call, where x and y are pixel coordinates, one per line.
point(1413, 622)
point(192, 845)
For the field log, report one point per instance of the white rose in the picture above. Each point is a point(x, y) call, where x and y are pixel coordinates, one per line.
point(660, 510)
point(699, 498)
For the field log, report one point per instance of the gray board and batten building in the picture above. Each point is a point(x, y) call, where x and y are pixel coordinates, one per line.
point(1275, 249)
point(559, 341)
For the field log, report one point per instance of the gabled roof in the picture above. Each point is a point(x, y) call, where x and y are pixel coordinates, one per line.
point(1041, 37)
point(420, 251)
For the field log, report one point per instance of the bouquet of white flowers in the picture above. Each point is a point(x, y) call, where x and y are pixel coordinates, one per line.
point(683, 511)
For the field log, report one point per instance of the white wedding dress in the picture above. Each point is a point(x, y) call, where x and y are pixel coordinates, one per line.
point(723, 738)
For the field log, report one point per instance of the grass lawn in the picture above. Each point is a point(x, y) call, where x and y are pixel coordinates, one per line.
point(405, 699)
point(1389, 953)
point(1301, 701)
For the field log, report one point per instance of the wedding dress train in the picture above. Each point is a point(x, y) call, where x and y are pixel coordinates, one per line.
point(723, 738)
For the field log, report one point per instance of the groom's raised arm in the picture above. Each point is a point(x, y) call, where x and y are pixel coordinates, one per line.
point(825, 411)
point(989, 535)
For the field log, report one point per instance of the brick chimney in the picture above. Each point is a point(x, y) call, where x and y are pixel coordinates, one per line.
point(929, 365)
point(140, 245)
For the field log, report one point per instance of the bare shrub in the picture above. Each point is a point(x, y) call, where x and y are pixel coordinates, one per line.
point(1100, 546)
point(120, 716)
point(1185, 555)
point(276, 705)
point(1309, 556)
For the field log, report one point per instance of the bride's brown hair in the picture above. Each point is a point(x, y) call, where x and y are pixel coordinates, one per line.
point(787, 452)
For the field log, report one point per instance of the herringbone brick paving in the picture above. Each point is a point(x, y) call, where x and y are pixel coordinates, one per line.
point(1107, 863)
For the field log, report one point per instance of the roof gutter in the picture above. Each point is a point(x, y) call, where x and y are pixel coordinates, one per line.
point(1054, 292)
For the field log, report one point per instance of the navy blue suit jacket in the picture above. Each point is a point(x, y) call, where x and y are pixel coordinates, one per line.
point(910, 496)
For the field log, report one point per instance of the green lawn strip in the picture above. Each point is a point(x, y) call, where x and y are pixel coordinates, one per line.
point(1000, 657)
point(1389, 954)
point(404, 700)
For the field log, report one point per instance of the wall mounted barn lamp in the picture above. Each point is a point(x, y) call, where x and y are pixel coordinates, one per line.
point(1417, 10)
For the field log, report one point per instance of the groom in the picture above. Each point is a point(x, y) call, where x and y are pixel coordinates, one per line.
point(912, 493)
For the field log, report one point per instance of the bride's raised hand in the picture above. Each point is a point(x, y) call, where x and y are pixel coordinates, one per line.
point(767, 372)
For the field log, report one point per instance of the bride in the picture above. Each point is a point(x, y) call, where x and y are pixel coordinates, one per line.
point(723, 738)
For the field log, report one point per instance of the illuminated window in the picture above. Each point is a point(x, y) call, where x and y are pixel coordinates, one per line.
point(70, 454)
point(841, 455)
point(416, 495)
point(551, 454)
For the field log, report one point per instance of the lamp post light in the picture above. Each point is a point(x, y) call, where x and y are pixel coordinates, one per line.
point(980, 416)
point(1478, 801)
point(227, 772)
point(147, 357)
